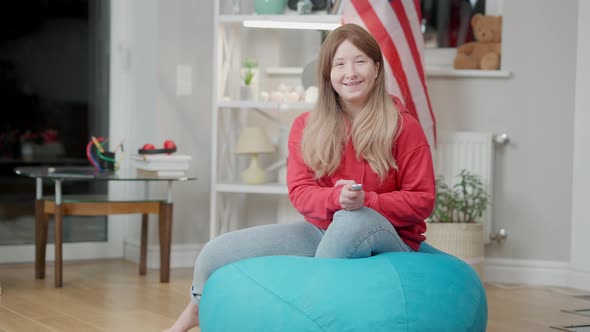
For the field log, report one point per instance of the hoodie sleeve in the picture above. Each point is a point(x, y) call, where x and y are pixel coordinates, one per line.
point(315, 202)
point(413, 200)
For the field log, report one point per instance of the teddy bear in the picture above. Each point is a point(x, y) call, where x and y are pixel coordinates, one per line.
point(485, 52)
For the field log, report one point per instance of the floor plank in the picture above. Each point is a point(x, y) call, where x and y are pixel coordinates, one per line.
point(513, 308)
point(110, 295)
point(106, 295)
point(13, 321)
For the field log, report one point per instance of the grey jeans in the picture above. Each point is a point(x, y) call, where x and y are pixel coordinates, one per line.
point(352, 234)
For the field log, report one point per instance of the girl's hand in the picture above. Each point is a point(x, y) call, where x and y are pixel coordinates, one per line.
point(349, 199)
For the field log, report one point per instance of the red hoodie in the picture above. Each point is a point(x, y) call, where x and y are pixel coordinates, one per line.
point(405, 197)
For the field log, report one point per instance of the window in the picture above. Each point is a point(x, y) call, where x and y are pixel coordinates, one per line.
point(446, 24)
point(54, 94)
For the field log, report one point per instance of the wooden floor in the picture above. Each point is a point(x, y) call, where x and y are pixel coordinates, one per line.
point(111, 296)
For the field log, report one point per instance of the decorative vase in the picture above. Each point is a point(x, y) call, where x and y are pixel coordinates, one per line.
point(107, 164)
point(270, 7)
point(462, 240)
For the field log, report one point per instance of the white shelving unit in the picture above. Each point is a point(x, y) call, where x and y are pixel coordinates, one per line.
point(233, 41)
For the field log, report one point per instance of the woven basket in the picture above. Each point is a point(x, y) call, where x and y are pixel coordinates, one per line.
point(464, 241)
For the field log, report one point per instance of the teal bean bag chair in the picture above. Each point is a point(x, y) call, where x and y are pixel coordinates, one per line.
point(420, 291)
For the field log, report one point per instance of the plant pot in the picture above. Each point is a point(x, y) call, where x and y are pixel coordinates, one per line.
point(249, 92)
point(464, 241)
point(246, 93)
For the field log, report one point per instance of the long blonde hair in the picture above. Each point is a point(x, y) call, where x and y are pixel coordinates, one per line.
point(373, 129)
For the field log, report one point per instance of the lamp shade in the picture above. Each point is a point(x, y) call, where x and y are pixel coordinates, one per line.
point(253, 140)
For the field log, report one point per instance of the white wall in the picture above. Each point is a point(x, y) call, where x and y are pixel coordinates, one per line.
point(185, 37)
point(131, 84)
point(580, 246)
point(147, 45)
point(532, 189)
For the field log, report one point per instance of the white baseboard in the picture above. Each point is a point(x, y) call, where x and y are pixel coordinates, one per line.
point(181, 255)
point(579, 279)
point(70, 251)
point(529, 272)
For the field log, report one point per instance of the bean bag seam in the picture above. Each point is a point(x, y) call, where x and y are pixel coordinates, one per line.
point(277, 296)
point(402, 292)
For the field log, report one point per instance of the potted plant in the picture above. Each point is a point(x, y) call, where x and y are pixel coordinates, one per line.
point(249, 72)
point(455, 226)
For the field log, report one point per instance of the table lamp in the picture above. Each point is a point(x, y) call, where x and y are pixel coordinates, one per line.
point(253, 141)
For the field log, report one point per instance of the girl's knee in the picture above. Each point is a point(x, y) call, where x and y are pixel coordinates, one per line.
point(209, 258)
point(344, 215)
point(358, 223)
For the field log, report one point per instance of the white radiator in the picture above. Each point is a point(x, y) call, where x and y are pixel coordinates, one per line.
point(473, 151)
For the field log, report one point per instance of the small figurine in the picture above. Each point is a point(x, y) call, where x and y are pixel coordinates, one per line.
point(304, 7)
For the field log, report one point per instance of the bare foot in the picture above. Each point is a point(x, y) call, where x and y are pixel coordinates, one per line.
point(188, 319)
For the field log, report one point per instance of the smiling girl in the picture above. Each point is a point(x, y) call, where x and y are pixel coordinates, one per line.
point(356, 134)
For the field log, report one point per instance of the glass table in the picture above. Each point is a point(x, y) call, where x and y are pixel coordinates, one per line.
point(61, 205)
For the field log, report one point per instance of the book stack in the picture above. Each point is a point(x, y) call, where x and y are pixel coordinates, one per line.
point(161, 165)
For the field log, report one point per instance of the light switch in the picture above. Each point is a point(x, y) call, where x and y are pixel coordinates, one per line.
point(184, 80)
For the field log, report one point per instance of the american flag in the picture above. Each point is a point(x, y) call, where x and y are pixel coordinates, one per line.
point(395, 25)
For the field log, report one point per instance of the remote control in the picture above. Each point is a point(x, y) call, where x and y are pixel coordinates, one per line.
point(356, 187)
